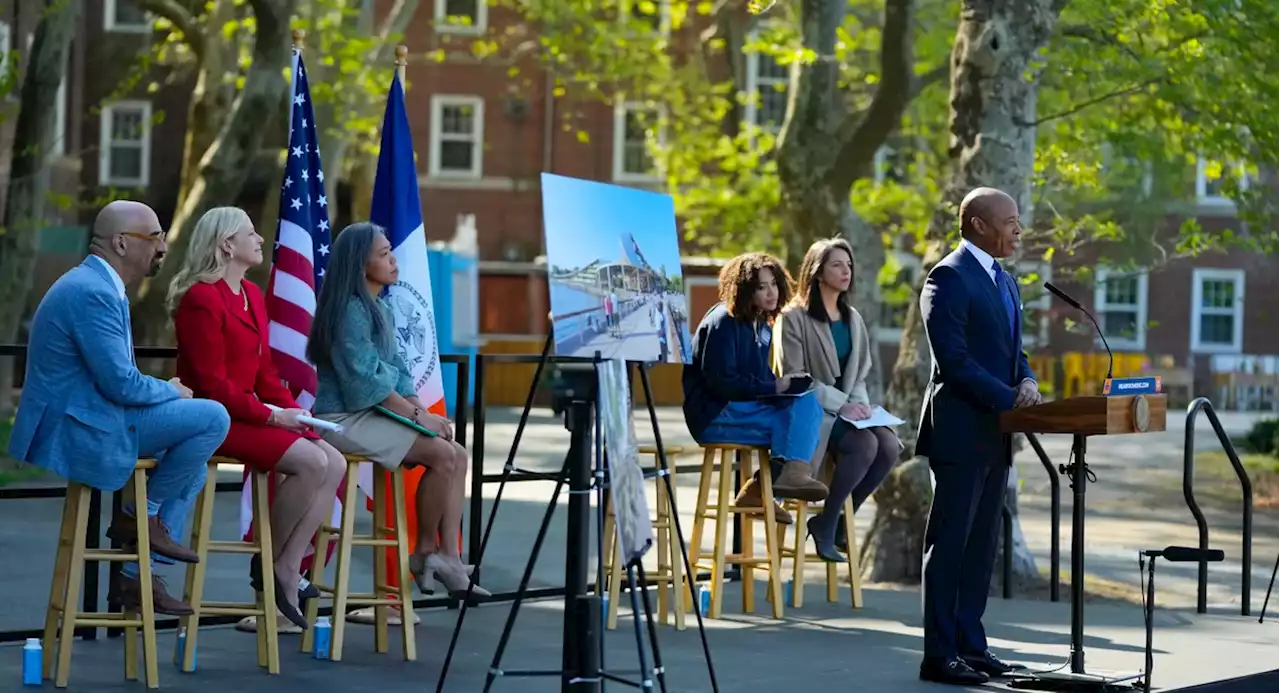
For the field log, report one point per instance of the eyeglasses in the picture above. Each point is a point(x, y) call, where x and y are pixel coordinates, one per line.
point(153, 236)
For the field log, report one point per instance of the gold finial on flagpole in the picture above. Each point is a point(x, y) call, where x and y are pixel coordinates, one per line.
point(299, 35)
point(402, 59)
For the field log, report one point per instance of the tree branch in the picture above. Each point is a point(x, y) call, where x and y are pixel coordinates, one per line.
point(1091, 102)
point(182, 19)
point(861, 134)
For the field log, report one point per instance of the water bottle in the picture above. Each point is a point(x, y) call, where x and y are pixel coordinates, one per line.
point(787, 587)
point(32, 662)
point(320, 649)
point(704, 599)
point(180, 644)
point(604, 607)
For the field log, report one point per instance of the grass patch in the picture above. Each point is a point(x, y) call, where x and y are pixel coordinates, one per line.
point(1216, 478)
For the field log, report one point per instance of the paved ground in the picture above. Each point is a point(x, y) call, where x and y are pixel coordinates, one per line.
point(1122, 519)
point(827, 647)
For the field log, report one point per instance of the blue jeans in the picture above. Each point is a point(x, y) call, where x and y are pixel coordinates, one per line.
point(182, 435)
point(788, 425)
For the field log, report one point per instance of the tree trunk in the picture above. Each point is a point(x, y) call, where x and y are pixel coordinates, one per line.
point(29, 176)
point(213, 95)
point(223, 168)
point(992, 125)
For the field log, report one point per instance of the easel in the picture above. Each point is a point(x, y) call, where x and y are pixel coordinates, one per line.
point(583, 636)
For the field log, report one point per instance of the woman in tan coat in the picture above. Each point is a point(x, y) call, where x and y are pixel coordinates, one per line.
point(819, 333)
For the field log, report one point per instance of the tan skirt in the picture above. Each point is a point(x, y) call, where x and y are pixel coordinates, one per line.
point(370, 434)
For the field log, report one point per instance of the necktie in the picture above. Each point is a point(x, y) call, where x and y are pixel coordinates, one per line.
point(1002, 284)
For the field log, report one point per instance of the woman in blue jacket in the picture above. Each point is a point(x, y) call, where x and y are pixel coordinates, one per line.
point(730, 392)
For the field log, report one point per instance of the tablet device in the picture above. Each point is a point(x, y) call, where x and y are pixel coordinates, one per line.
point(406, 421)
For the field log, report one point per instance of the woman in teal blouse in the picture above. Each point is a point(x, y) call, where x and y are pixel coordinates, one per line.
point(365, 385)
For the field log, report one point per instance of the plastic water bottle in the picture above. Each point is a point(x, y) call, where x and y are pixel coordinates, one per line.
point(32, 662)
point(704, 600)
point(320, 647)
point(180, 644)
point(604, 607)
point(787, 588)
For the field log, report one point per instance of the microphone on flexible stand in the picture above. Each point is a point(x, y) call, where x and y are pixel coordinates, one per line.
point(1111, 359)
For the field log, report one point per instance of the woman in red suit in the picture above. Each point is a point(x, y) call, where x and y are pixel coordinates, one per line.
point(223, 355)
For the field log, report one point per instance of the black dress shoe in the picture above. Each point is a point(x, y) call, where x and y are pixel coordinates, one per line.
point(951, 671)
point(990, 664)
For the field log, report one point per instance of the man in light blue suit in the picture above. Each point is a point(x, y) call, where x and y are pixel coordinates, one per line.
point(88, 414)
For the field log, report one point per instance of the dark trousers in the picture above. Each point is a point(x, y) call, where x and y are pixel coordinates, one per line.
point(959, 554)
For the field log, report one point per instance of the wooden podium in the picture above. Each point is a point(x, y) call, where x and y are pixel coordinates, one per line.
point(1082, 417)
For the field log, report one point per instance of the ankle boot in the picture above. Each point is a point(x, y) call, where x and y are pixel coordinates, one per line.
point(796, 482)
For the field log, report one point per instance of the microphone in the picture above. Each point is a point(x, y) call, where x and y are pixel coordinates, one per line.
point(1111, 359)
point(1185, 554)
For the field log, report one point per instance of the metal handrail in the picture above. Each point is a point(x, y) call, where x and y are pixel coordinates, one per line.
point(1055, 509)
point(1188, 492)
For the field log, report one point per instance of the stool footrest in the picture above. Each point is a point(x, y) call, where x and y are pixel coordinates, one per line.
point(371, 600)
point(110, 555)
point(232, 547)
point(228, 609)
point(371, 541)
point(107, 620)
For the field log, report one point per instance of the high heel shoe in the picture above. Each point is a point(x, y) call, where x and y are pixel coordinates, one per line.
point(423, 577)
point(305, 592)
point(286, 609)
point(455, 579)
point(826, 546)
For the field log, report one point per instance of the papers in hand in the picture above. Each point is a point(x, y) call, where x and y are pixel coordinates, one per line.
point(879, 417)
point(313, 422)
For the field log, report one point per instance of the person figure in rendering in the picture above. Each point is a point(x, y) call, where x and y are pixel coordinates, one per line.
point(973, 321)
point(819, 333)
point(731, 392)
point(87, 414)
point(366, 387)
point(223, 354)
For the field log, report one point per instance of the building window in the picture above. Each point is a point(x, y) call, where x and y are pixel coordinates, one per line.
point(125, 16)
point(125, 138)
point(768, 83)
point(1032, 275)
point(457, 136)
point(895, 297)
point(1211, 179)
point(1217, 310)
point(634, 125)
point(1120, 303)
point(653, 15)
point(462, 16)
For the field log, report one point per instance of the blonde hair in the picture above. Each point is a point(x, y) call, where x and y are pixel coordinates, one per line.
point(205, 261)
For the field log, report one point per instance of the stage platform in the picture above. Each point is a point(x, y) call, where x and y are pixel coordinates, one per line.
point(821, 647)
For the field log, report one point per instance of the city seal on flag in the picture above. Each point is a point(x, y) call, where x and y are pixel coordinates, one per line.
point(415, 330)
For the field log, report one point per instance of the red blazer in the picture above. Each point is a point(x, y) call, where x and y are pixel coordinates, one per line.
point(223, 353)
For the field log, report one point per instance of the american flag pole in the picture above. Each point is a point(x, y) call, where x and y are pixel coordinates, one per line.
point(298, 260)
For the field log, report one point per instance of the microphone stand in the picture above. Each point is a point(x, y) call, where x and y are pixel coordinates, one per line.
point(1271, 585)
point(1111, 359)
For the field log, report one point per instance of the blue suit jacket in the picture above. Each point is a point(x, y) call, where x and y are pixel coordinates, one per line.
point(977, 364)
point(80, 382)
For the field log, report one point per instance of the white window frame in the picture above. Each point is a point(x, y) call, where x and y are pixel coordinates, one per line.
point(1199, 276)
point(755, 87)
point(893, 335)
point(109, 21)
point(438, 103)
point(444, 26)
point(1139, 341)
point(620, 111)
point(1202, 184)
point(6, 45)
point(664, 15)
point(104, 144)
point(1038, 337)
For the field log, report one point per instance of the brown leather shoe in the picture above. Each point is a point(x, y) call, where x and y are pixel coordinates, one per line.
point(749, 497)
point(126, 593)
point(124, 529)
point(796, 482)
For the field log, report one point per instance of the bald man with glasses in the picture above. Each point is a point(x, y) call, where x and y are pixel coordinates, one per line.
point(87, 414)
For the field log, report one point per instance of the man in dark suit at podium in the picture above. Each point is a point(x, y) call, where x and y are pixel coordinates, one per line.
point(973, 320)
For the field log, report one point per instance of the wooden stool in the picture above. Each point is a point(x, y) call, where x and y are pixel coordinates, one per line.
point(669, 577)
point(264, 604)
point(798, 554)
point(384, 596)
point(68, 576)
point(722, 516)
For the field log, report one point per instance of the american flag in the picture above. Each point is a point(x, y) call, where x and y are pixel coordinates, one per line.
point(297, 267)
point(302, 247)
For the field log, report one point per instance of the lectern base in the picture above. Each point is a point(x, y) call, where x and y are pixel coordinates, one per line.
point(1094, 682)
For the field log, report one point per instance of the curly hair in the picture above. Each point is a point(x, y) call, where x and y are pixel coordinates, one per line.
point(740, 278)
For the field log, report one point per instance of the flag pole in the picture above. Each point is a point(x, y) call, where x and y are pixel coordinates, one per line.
point(402, 61)
point(299, 35)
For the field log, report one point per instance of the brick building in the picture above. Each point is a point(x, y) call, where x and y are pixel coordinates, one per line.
point(483, 138)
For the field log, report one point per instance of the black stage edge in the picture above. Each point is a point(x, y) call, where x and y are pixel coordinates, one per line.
point(1077, 679)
